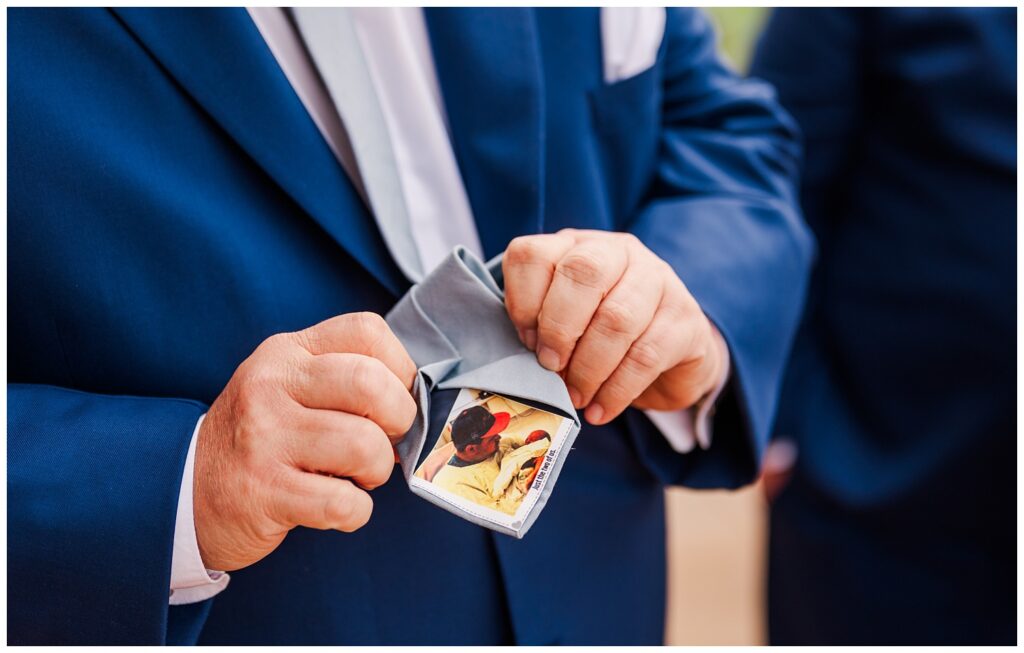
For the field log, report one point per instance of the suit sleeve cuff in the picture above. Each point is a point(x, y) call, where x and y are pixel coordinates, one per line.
point(191, 581)
point(685, 429)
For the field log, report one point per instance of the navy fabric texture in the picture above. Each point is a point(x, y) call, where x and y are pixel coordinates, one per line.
point(901, 394)
point(88, 478)
point(171, 204)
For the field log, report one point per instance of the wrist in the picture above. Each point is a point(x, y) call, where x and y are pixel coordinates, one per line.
point(205, 510)
point(191, 580)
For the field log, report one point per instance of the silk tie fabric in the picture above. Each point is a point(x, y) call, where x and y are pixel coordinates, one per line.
point(333, 43)
point(455, 327)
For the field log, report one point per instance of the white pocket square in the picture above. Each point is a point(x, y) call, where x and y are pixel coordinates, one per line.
point(630, 39)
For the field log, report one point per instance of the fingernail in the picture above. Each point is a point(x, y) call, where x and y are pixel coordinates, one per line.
point(531, 339)
point(548, 357)
point(574, 396)
point(594, 413)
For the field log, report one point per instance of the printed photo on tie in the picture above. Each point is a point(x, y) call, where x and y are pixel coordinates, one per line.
point(492, 457)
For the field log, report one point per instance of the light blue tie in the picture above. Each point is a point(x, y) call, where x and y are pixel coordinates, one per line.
point(453, 322)
point(333, 44)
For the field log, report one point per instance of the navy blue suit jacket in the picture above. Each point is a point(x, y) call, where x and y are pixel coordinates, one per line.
point(901, 394)
point(172, 204)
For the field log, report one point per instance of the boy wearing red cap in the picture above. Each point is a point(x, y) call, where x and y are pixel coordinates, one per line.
point(488, 468)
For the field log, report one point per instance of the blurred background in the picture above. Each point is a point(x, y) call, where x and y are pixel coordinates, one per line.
point(718, 540)
point(899, 524)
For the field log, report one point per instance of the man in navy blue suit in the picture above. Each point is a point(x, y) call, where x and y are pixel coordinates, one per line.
point(899, 523)
point(184, 203)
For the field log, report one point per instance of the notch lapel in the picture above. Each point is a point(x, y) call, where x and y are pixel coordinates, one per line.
point(222, 61)
point(489, 68)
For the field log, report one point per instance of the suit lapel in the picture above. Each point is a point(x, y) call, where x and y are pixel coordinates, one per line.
point(489, 69)
point(222, 61)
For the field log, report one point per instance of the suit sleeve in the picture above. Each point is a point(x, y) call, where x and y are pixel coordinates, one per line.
point(93, 483)
point(723, 213)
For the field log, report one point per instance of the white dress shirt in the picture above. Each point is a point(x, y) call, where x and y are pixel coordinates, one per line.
point(397, 51)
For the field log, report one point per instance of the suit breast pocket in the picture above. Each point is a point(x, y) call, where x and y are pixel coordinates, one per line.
point(627, 126)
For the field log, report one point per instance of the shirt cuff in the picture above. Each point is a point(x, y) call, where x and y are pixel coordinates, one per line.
point(687, 428)
point(191, 582)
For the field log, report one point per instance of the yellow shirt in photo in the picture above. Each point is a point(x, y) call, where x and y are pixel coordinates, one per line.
point(497, 482)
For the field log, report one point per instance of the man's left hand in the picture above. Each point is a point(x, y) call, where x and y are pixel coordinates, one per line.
point(613, 319)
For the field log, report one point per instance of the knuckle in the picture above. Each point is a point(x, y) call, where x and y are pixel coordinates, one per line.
point(279, 482)
point(644, 357)
point(264, 497)
point(630, 240)
point(368, 328)
point(361, 447)
point(557, 333)
point(293, 378)
point(251, 446)
point(245, 448)
point(277, 478)
point(269, 343)
point(584, 374)
point(350, 513)
point(255, 382)
point(366, 377)
point(278, 341)
point(676, 311)
point(311, 339)
point(523, 250)
point(369, 321)
point(339, 511)
point(265, 492)
point(583, 268)
point(614, 318)
point(616, 392)
point(380, 471)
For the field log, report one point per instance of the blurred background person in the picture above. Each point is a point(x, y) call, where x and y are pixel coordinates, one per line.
point(898, 522)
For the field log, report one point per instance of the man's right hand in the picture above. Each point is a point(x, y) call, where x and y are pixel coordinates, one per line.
point(304, 427)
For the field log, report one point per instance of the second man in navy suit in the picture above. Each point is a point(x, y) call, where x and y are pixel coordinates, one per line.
point(899, 525)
